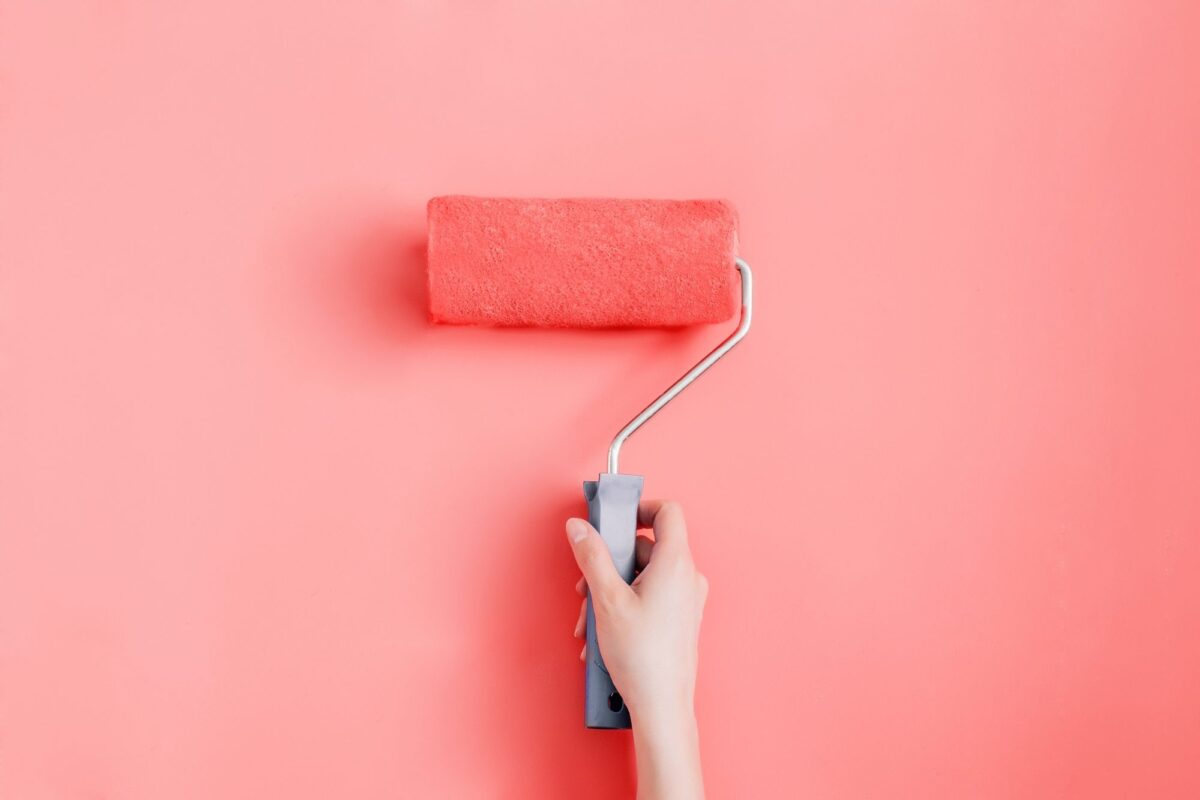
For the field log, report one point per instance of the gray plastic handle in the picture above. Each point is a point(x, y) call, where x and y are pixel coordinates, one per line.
point(612, 509)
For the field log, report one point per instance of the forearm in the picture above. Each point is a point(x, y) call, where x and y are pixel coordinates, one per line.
point(667, 746)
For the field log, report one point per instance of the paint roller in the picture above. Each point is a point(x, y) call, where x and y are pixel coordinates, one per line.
point(592, 263)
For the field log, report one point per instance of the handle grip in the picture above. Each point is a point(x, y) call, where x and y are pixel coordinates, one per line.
point(612, 509)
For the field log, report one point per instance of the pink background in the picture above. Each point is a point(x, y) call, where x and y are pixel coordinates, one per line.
point(267, 534)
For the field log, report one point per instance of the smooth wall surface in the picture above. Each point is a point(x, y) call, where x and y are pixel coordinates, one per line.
point(264, 533)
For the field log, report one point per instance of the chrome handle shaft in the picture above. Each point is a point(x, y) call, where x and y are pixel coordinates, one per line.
point(724, 347)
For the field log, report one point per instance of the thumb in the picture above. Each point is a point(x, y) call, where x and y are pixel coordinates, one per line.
point(594, 560)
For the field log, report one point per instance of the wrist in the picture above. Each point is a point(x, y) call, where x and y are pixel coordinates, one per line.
point(665, 698)
point(666, 741)
point(663, 729)
point(663, 714)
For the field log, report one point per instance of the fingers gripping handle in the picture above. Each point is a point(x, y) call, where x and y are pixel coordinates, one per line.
point(612, 509)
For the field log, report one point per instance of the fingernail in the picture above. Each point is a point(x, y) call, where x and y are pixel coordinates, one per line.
point(577, 529)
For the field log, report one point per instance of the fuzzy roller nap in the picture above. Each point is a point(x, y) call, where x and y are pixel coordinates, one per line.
point(581, 263)
point(591, 264)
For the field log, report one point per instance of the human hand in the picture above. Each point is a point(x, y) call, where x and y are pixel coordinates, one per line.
point(648, 632)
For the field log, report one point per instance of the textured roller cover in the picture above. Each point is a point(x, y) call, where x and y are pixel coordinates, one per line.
point(587, 263)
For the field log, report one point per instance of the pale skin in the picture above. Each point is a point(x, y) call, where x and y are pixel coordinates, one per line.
point(648, 633)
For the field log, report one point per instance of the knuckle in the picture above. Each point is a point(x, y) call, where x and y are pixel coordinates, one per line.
point(600, 578)
point(589, 554)
point(678, 565)
point(671, 506)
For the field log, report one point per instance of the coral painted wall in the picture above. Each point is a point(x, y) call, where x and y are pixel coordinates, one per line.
point(264, 533)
